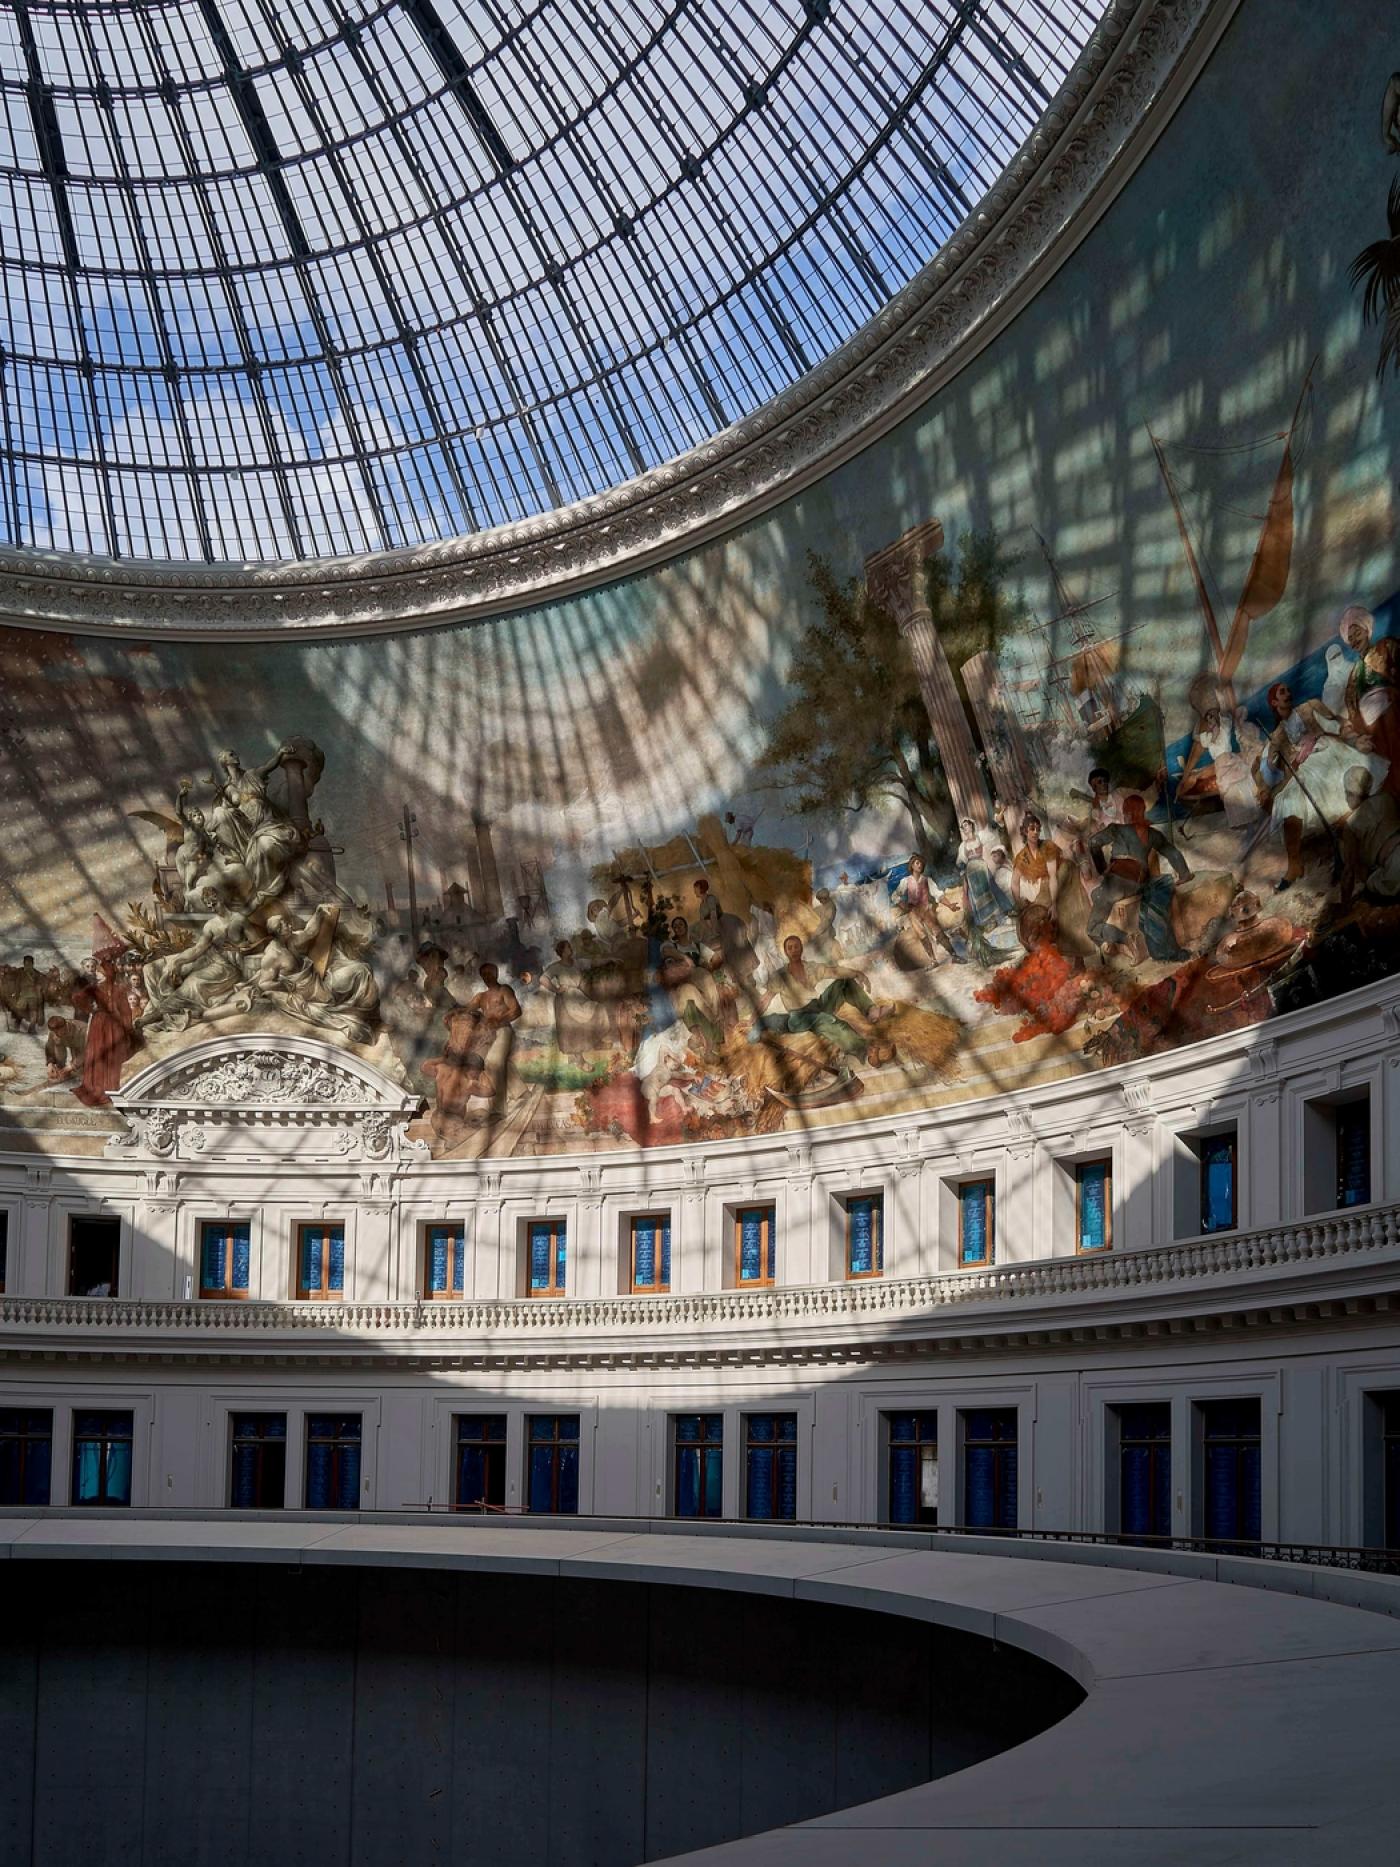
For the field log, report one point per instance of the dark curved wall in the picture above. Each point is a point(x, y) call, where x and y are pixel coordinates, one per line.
point(562, 757)
point(236, 1716)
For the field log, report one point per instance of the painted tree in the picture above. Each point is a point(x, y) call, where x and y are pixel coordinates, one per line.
point(855, 730)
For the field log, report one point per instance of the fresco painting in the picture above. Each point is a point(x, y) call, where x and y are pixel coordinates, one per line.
point(883, 803)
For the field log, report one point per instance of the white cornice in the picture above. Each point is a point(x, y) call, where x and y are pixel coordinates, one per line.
point(1139, 65)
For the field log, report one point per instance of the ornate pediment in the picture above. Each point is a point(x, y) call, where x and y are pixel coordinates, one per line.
point(264, 1097)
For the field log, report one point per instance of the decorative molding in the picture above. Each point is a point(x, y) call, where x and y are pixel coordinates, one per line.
point(264, 1098)
point(1135, 70)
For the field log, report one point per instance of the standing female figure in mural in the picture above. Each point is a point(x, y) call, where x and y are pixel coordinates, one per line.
point(581, 1026)
point(1035, 875)
point(987, 902)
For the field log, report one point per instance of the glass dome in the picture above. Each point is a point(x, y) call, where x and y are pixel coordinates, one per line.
point(304, 278)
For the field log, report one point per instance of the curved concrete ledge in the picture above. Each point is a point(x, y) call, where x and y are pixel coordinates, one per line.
point(1222, 1723)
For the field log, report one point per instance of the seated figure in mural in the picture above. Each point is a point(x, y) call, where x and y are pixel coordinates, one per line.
point(316, 971)
point(1370, 840)
point(982, 863)
point(1216, 768)
point(213, 973)
point(1305, 767)
point(1135, 857)
point(809, 998)
point(687, 975)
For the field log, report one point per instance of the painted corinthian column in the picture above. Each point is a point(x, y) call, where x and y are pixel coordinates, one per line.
point(894, 578)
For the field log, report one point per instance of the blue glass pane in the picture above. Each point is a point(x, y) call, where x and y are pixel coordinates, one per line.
point(763, 1426)
point(759, 1482)
point(644, 1251)
point(211, 1262)
point(751, 1253)
point(439, 1252)
point(974, 1218)
point(687, 1427)
point(318, 1477)
point(541, 1248)
point(87, 1476)
point(666, 1254)
point(471, 1475)
point(787, 1483)
point(335, 1240)
point(687, 1481)
point(904, 1484)
point(1354, 1154)
point(568, 1480)
point(311, 1260)
point(1217, 1183)
point(903, 1425)
point(242, 1257)
point(559, 1258)
point(541, 1478)
point(1137, 1490)
point(566, 1426)
point(119, 1472)
point(1093, 1205)
point(980, 1486)
point(714, 1490)
point(459, 1262)
point(861, 1236)
point(38, 1467)
point(347, 1490)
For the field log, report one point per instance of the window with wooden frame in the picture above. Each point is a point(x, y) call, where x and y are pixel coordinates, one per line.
point(26, 1454)
point(225, 1257)
point(551, 1464)
point(102, 1444)
point(755, 1247)
point(698, 1451)
point(1093, 1205)
point(444, 1262)
point(320, 1262)
point(479, 1463)
point(1217, 1155)
point(1145, 1468)
point(94, 1255)
point(1232, 1487)
point(333, 1461)
point(990, 1472)
point(977, 1228)
point(546, 1262)
point(865, 1235)
point(258, 1462)
point(651, 1252)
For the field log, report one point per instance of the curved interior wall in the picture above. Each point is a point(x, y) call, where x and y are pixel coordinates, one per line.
point(394, 1714)
point(679, 774)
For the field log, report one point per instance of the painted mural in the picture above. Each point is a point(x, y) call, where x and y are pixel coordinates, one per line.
point(1061, 729)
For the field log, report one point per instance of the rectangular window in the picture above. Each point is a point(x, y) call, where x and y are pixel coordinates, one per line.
point(913, 1467)
point(1218, 1183)
point(651, 1252)
point(225, 1258)
point(977, 1222)
point(258, 1469)
point(102, 1458)
point(698, 1446)
point(94, 1248)
point(770, 1467)
point(320, 1262)
point(755, 1251)
point(1354, 1153)
point(551, 1464)
point(547, 1244)
point(1093, 1205)
point(4, 1249)
point(1390, 1469)
point(26, 1454)
point(1145, 1469)
point(333, 1461)
point(989, 1469)
point(444, 1262)
point(865, 1235)
point(1233, 1468)
point(479, 1469)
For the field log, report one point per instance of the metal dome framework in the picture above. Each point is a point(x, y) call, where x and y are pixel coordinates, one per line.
point(312, 279)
